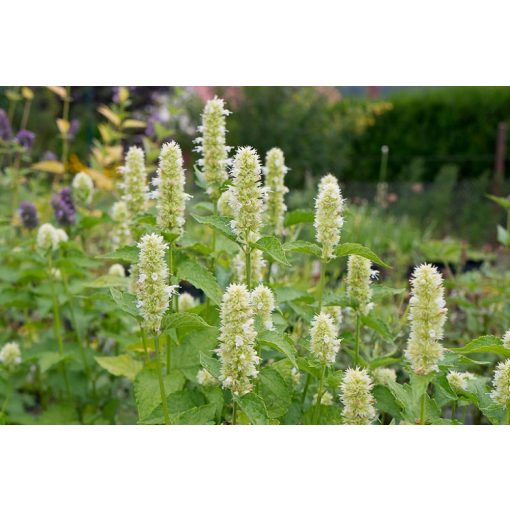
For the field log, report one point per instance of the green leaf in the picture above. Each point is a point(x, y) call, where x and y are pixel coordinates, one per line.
point(107, 281)
point(147, 393)
point(346, 249)
point(219, 223)
point(49, 359)
point(381, 362)
point(279, 342)
point(126, 302)
point(183, 320)
point(298, 216)
point(126, 253)
point(502, 201)
point(303, 247)
point(503, 236)
point(201, 415)
point(377, 325)
point(212, 365)
point(271, 246)
point(385, 401)
point(200, 277)
point(274, 391)
point(486, 343)
point(122, 365)
point(253, 406)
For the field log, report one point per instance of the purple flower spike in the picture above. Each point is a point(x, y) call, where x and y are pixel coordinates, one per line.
point(62, 204)
point(25, 138)
point(5, 126)
point(28, 214)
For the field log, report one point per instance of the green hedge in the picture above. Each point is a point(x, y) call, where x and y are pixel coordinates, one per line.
point(445, 125)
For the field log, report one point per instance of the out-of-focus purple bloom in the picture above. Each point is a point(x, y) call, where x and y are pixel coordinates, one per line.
point(62, 204)
point(25, 138)
point(28, 214)
point(49, 156)
point(5, 126)
point(150, 130)
point(74, 126)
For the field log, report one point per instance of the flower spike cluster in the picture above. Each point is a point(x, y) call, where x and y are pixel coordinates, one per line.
point(237, 353)
point(356, 396)
point(383, 375)
point(247, 199)
point(458, 380)
point(328, 215)
point(324, 343)
point(212, 145)
point(49, 237)
point(506, 340)
point(170, 195)
point(121, 235)
point(359, 275)
point(263, 304)
point(275, 171)
point(152, 289)
point(501, 382)
point(83, 188)
point(134, 187)
point(427, 316)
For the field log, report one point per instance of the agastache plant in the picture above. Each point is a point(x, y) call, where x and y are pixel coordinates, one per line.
point(501, 382)
point(83, 188)
point(170, 196)
point(237, 354)
point(275, 171)
point(134, 185)
point(247, 202)
point(212, 146)
point(121, 235)
point(356, 396)
point(263, 304)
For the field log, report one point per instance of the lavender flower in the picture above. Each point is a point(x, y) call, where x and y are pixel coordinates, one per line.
point(5, 126)
point(62, 203)
point(25, 138)
point(28, 214)
point(74, 127)
point(49, 156)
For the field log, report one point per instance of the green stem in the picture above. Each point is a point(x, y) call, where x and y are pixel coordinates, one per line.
point(248, 267)
point(161, 383)
point(144, 341)
point(305, 389)
point(422, 407)
point(454, 409)
point(234, 412)
point(57, 327)
point(321, 282)
point(168, 353)
point(358, 334)
point(26, 113)
point(317, 411)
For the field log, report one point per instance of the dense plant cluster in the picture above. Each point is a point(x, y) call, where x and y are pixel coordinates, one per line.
point(125, 300)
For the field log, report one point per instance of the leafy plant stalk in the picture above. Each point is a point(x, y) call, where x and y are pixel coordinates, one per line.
point(321, 282)
point(164, 402)
point(422, 406)
point(357, 340)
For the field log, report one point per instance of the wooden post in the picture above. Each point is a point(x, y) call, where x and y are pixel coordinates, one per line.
point(499, 163)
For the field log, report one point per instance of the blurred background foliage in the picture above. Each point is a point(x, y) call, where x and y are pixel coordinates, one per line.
point(441, 140)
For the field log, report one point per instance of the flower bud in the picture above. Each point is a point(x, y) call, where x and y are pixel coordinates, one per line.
point(275, 171)
point(458, 380)
point(83, 188)
point(324, 344)
point(356, 396)
point(153, 291)
point(10, 355)
point(427, 315)
point(224, 207)
point(170, 195)
point(359, 275)
point(506, 340)
point(263, 304)
point(383, 375)
point(501, 383)
point(134, 181)
point(211, 145)
point(186, 301)
point(237, 353)
point(117, 270)
point(47, 237)
point(205, 378)
point(328, 215)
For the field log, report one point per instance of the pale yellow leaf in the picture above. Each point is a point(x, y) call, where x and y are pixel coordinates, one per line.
point(55, 167)
point(60, 91)
point(111, 116)
point(63, 126)
point(134, 124)
point(27, 93)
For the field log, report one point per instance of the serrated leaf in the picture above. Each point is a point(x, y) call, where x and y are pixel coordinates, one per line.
point(377, 325)
point(200, 277)
point(253, 406)
point(201, 415)
point(126, 254)
point(122, 365)
point(47, 360)
point(272, 247)
point(303, 247)
point(219, 223)
point(126, 302)
point(147, 393)
point(183, 320)
point(298, 216)
point(487, 343)
point(346, 249)
point(212, 365)
point(385, 401)
point(274, 391)
point(279, 342)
